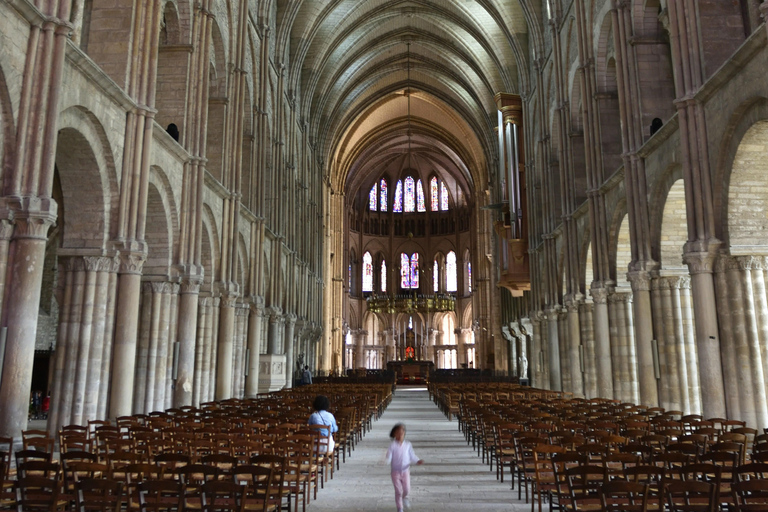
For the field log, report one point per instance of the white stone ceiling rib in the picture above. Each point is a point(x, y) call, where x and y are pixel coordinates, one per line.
point(345, 56)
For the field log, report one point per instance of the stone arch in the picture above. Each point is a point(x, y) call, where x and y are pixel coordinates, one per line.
point(668, 223)
point(211, 248)
point(608, 100)
point(160, 231)
point(266, 269)
point(747, 225)
point(91, 182)
point(7, 131)
point(172, 67)
point(750, 114)
point(588, 273)
point(217, 105)
point(578, 153)
point(654, 64)
point(620, 248)
point(466, 316)
point(242, 267)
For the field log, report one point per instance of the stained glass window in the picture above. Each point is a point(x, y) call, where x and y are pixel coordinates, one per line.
point(450, 272)
point(436, 277)
point(420, 197)
point(410, 322)
point(409, 271)
point(350, 278)
point(443, 196)
point(469, 277)
point(372, 199)
point(410, 201)
point(383, 276)
point(434, 193)
point(398, 206)
point(367, 272)
point(415, 270)
point(383, 195)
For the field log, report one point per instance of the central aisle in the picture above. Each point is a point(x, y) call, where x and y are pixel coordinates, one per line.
point(452, 478)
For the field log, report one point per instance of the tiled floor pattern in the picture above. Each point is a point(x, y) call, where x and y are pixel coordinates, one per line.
point(453, 477)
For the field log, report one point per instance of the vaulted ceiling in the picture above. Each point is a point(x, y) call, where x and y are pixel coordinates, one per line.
point(354, 63)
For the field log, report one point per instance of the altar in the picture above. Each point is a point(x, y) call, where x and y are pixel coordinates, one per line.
point(411, 371)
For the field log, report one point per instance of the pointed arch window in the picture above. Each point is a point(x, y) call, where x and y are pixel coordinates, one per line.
point(450, 272)
point(420, 197)
point(436, 277)
point(372, 199)
point(443, 197)
point(398, 206)
point(409, 271)
point(383, 276)
point(469, 276)
point(367, 272)
point(383, 195)
point(434, 193)
point(350, 279)
point(410, 199)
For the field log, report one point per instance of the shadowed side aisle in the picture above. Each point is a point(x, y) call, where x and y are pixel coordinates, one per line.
point(452, 479)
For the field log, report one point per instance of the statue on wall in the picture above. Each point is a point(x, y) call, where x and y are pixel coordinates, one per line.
point(522, 365)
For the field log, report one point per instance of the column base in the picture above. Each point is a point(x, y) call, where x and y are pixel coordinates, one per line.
point(271, 372)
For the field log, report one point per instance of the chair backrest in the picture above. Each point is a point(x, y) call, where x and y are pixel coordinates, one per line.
point(39, 494)
point(161, 496)
point(621, 496)
point(99, 495)
point(690, 496)
point(221, 496)
point(751, 495)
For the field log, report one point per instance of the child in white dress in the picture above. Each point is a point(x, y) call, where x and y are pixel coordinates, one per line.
point(400, 456)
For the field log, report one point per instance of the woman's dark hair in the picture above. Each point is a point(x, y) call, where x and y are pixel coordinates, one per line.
point(394, 430)
point(321, 403)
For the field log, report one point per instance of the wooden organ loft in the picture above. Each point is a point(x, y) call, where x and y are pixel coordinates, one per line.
point(512, 227)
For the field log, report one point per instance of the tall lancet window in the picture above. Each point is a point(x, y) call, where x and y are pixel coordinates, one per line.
point(372, 199)
point(469, 276)
point(383, 195)
point(436, 277)
point(443, 196)
point(383, 276)
point(410, 200)
point(450, 272)
point(434, 193)
point(409, 271)
point(398, 206)
point(367, 272)
point(420, 197)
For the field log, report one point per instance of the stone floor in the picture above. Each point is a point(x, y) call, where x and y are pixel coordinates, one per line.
point(453, 478)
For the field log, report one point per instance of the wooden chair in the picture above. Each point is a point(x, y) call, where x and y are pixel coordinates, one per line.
point(653, 477)
point(751, 495)
point(621, 496)
point(584, 483)
point(544, 477)
point(161, 496)
point(38, 494)
point(262, 487)
point(99, 495)
point(222, 496)
point(690, 496)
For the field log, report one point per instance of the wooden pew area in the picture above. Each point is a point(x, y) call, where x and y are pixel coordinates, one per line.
point(239, 454)
point(604, 455)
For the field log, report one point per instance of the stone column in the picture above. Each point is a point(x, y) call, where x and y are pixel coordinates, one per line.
point(359, 338)
point(126, 332)
point(241, 328)
point(535, 360)
point(290, 326)
point(201, 346)
point(254, 347)
point(603, 364)
point(586, 323)
point(623, 346)
point(225, 347)
point(273, 346)
point(574, 348)
point(562, 349)
point(746, 308)
point(187, 338)
point(700, 265)
point(81, 362)
point(644, 332)
point(212, 352)
point(431, 351)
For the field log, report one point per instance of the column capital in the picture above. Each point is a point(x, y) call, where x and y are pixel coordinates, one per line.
point(92, 263)
point(640, 280)
point(228, 300)
point(290, 319)
point(700, 255)
point(599, 295)
point(620, 298)
point(32, 215)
